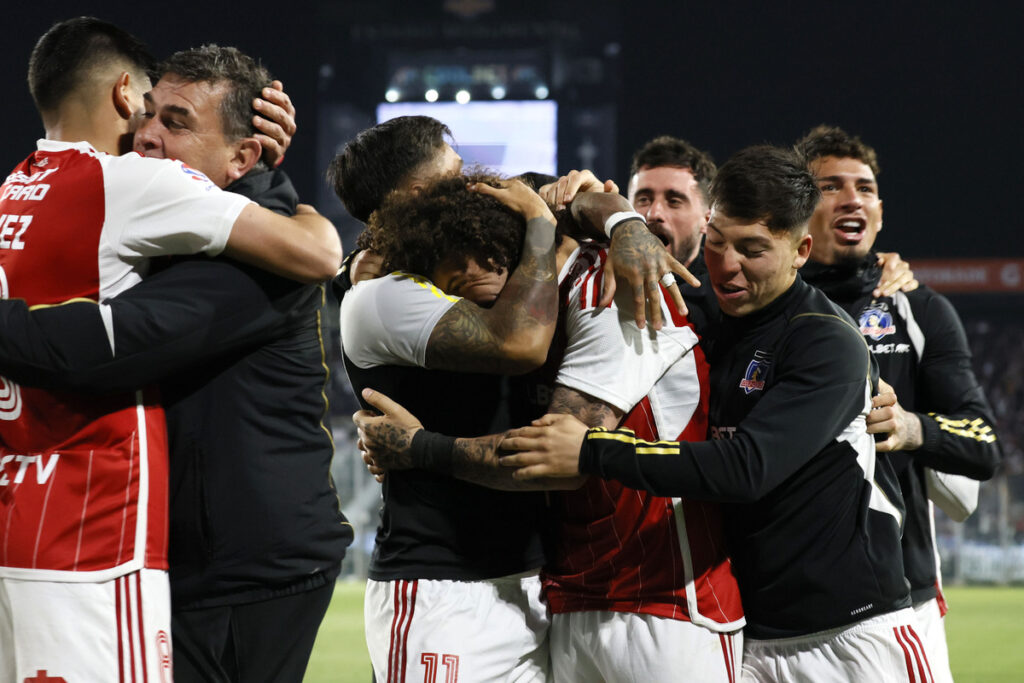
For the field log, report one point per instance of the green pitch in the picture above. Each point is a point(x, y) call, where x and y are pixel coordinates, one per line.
point(985, 630)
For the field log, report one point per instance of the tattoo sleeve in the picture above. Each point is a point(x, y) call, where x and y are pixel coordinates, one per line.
point(476, 460)
point(587, 409)
point(512, 336)
point(591, 209)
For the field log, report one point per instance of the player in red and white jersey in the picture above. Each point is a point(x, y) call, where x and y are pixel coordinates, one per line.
point(83, 480)
point(624, 562)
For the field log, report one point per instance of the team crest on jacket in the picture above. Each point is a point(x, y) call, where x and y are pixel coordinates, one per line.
point(753, 378)
point(876, 323)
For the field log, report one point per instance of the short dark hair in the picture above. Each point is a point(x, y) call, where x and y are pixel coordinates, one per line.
point(66, 54)
point(666, 150)
point(380, 158)
point(445, 222)
point(213, 64)
point(766, 184)
point(833, 141)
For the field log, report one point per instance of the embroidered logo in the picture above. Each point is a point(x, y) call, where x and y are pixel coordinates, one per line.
point(876, 323)
point(753, 378)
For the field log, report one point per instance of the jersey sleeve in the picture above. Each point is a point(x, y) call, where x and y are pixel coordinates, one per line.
point(161, 207)
point(388, 321)
point(609, 358)
point(957, 423)
point(182, 316)
point(811, 402)
point(955, 495)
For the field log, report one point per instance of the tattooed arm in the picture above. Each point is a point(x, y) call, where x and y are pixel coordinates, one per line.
point(512, 336)
point(636, 256)
point(395, 440)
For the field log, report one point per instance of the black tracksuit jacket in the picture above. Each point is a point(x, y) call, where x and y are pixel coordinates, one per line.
point(921, 349)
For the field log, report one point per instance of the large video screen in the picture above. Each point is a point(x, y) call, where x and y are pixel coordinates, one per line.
point(511, 137)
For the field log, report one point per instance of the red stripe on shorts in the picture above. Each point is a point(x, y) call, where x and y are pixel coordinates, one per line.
point(120, 644)
point(142, 628)
point(907, 656)
point(129, 630)
point(408, 623)
point(727, 652)
point(404, 605)
point(922, 660)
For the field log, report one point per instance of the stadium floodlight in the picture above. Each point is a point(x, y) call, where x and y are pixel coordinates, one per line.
point(498, 92)
point(541, 91)
point(392, 95)
point(430, 95)
point(462, 96)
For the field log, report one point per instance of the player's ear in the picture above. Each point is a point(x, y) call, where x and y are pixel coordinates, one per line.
point(246, 153)
point(879, 215)
point(803, 251)
point(122, 95)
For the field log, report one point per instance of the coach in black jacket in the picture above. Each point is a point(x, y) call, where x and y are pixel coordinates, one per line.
point(256, 532)
point(941, 432)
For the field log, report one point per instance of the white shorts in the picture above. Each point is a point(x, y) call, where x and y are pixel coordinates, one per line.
point(640, 648)
point(465, 631)
point(110, 631)
point(932, 630)
point(882, 649)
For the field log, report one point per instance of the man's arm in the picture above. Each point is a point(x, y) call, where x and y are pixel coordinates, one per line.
point(635, 255)
point(304, 247)
point(185, 314)
point(608, 367)
point(513, 335)
point(952, 429)
point(770, 444)
point(393, 439)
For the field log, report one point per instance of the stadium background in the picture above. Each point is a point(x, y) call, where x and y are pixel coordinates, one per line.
point(931, 89)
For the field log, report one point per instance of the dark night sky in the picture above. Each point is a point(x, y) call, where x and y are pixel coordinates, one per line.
point(932, 91)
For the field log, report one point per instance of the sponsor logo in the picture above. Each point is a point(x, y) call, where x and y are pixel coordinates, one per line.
point(876, 323)
point(862, 609)
point(10, 393)
point(23, 178)
point(881, 349)
point(14, 468)
point(197, 176)
point(753, 378)
point(194, 174)
point(722, 432)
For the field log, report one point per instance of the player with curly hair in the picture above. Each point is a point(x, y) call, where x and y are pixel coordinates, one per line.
point(446, 225)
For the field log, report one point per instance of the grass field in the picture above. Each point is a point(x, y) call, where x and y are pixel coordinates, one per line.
point(985, 629)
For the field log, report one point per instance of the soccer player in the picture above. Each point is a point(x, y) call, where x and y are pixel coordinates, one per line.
point(453, 581)
point(813, 520)
point(940, 434)
point(85, 532)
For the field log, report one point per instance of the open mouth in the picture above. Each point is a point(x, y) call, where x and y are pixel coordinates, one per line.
point(659, 233)
point(850, 230)
point(729, 291)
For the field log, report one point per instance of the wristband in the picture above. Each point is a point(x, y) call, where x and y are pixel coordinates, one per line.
point(620, 217)
point(432, 451)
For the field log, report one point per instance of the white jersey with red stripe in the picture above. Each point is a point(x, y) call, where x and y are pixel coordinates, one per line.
point(621, 549)
point(83, 479)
